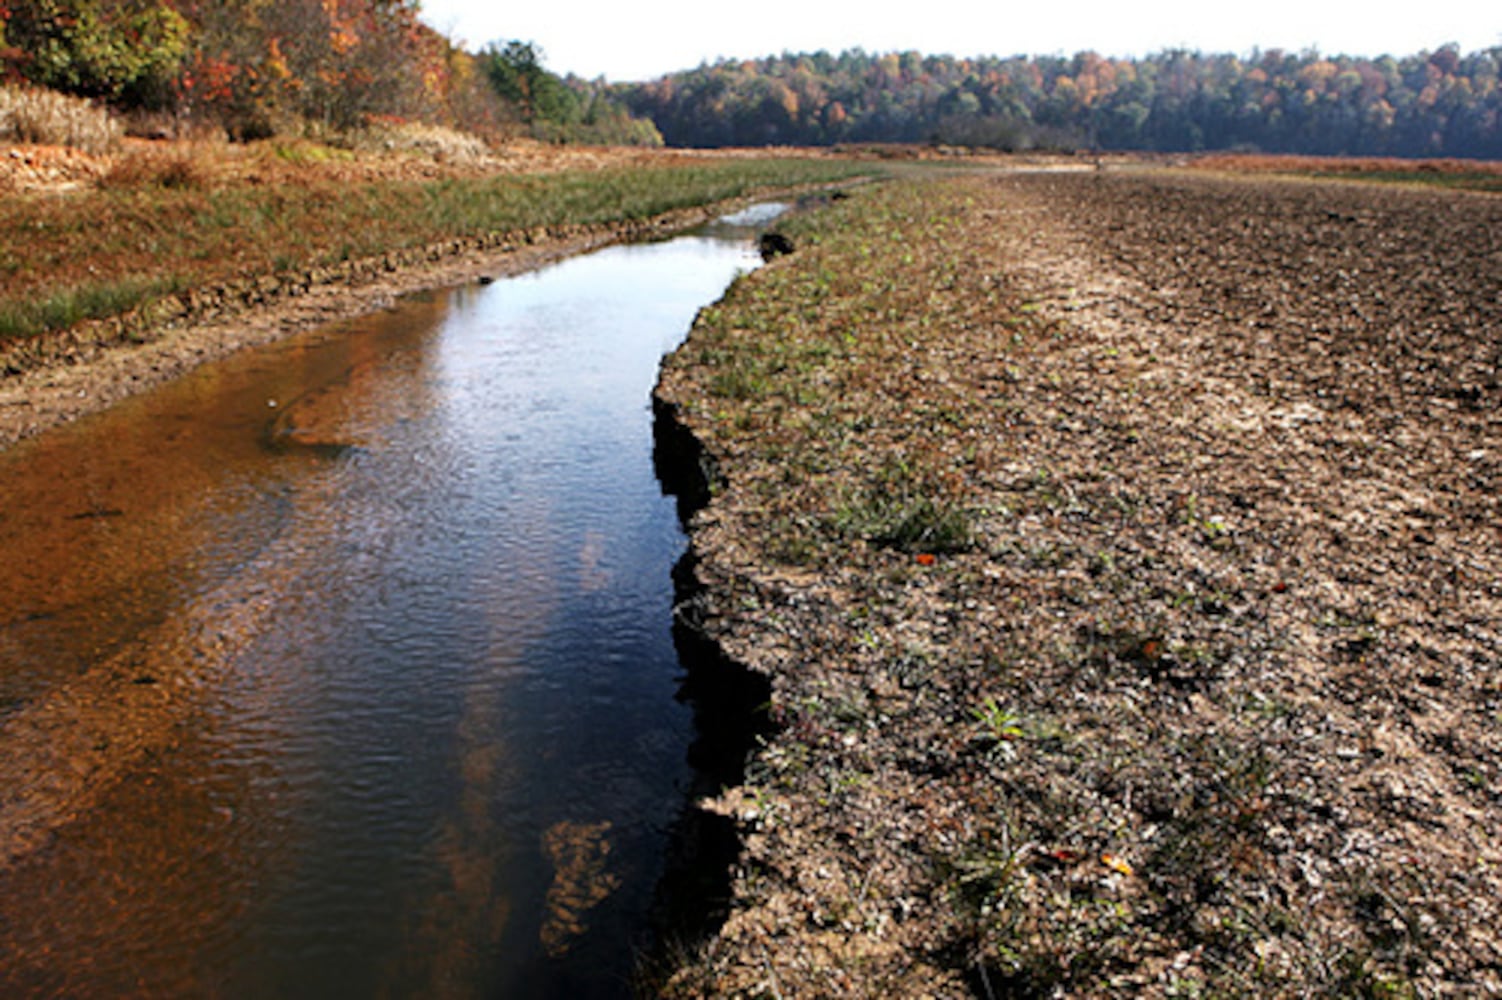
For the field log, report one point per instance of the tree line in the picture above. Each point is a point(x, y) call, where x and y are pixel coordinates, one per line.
point(562, 109)
point(252, 66)
point(1439, 103)
point(259, 67)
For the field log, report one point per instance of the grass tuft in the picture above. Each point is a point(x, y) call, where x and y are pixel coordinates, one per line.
point(48, 118)
point(70, 306)
point(907, 521)
point(177, 170)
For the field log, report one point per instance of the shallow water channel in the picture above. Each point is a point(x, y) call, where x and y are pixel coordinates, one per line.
point(344, 667)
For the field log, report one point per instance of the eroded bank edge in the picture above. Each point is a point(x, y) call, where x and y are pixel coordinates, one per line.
point(730, 702)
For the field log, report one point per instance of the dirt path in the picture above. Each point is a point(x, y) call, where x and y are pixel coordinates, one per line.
point(1124, 555)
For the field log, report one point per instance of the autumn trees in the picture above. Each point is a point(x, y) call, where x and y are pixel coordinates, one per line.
point(1441, 103)
point(251, 66)
point(117, 50)
point(561, 109)
point(261, 67)
point(256, 67)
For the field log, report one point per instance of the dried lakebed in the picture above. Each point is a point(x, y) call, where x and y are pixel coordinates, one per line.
point(1123, 554)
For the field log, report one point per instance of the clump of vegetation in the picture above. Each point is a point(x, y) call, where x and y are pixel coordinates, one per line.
point(907, 515)
point(175, 168)
point(37, 115)
point(435, 141)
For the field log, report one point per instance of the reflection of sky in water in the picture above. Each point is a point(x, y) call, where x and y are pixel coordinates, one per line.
point(754, 215)
point(431, 628)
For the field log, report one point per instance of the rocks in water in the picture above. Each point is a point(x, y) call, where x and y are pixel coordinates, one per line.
point(774, 245)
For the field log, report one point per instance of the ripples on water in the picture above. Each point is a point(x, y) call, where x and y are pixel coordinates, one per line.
point(366, 638)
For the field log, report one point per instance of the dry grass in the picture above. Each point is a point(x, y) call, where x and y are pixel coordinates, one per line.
point(1479, 175)
point(45, 117)
point(436, 141)
point(176, 166)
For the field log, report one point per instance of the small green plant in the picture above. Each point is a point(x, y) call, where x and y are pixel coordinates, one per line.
point(999, 724)
point(738, 383)
point(901, 519)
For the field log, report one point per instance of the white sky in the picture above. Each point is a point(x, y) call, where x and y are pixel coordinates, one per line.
point(624, 40)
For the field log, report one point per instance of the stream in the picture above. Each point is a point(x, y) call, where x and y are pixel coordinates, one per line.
point(343, 667)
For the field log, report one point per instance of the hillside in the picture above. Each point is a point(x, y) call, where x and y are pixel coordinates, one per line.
point(252, 69)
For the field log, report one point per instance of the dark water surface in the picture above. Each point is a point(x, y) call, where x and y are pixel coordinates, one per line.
point(369, 631)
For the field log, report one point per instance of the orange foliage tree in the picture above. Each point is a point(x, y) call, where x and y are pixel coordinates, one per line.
point(253, 66)
point(1439, 103)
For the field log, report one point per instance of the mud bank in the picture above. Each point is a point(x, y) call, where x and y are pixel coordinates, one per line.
point(730, 718)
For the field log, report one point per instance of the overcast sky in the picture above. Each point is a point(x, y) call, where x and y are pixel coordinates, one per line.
point(624, 40)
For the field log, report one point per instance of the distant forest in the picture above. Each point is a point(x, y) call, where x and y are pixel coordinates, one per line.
point(1441, 103)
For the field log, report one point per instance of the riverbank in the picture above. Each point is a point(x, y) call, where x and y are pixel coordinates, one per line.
point(1122, 554)
point(323, 240)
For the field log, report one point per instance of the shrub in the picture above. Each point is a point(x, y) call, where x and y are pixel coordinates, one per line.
point(173, 169)
point(29, 114)
point(432, 140)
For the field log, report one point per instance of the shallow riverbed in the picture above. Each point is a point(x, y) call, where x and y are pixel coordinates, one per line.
point(343, 668)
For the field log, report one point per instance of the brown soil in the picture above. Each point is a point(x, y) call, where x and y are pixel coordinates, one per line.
point(1209, 703)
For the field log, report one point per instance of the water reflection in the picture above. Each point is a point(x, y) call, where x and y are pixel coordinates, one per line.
point(343, 668)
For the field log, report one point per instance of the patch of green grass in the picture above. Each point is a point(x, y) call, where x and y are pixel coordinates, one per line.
point(1457, 180)
point(302, 151)
point(907, 521)
point(737, 383)
point(70, 306)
